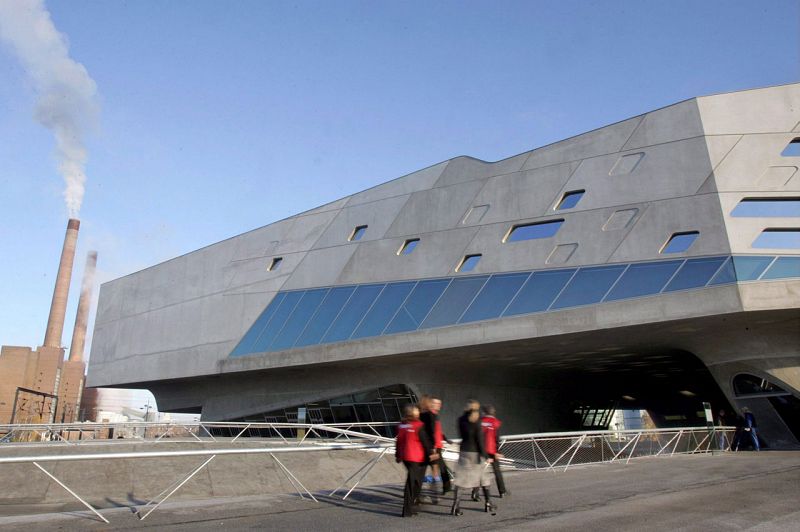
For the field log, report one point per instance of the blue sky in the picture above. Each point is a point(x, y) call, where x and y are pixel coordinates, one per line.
point(219, 117)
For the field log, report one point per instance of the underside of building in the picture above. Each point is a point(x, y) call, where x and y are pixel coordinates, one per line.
point(651, 264)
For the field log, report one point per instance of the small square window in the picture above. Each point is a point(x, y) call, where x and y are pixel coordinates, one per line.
point(680, 242)
point(275, 264)
point(792, 149)
point(570, 199)
point(533, 231)
point(468, 263)
point(357, 233)
point(408, 246)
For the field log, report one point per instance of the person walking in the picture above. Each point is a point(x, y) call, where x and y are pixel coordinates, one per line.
point(722, 437)
point(413, 448)
point(472, 471)
point(751, 427)
point(491, 430)
point(433, 426)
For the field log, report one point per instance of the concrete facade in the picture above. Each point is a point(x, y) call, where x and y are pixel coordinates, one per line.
point(173, 327)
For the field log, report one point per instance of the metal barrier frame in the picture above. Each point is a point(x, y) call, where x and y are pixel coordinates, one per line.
point(550, 448)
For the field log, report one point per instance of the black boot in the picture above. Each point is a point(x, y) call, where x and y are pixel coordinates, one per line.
point(488, 506)
point(456, 510)
point(476, 495)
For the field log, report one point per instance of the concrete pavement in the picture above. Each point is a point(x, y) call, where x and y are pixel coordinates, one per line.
point(742, 491)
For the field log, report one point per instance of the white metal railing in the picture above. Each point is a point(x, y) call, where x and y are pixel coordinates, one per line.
point(565, 449)
point(540, 451)
point(76, 433)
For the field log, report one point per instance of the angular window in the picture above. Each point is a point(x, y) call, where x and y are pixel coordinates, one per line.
point(454, 301)
point(417, 306)
point(494, 297)
point(644, 279)
point(325, 315)
point(779, 238)
point(245, 345)
point(569, 200)
point(474, 214)
point(767, 208)
point(539, 291)
point(299, 319)
point(275, 264)
point(352, 313)
point(588, 286)
point(468, 263)
point(694, 273)
point(750, 268)
point(408, 246)
point(725, 275)
point(384, 309)
point(783, 267)
point(533, 231)
point(357, 233)
point(792, 149)
point(680, 242)
point(277, 322)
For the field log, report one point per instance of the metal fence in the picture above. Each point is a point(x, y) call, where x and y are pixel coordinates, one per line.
point(565, 449)
point(542, 451)
point(77, 433)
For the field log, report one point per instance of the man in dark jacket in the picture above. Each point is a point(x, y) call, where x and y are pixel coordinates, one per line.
point(430, 417)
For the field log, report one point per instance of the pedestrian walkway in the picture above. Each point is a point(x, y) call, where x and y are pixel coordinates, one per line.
point(696, 492)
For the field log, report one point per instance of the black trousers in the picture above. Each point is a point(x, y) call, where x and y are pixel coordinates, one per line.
point(498, 475)
point(413, 486)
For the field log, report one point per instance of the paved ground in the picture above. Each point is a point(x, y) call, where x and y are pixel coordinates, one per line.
point(743, 491)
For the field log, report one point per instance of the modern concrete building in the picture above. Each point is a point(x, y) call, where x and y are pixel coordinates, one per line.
point(649, 264)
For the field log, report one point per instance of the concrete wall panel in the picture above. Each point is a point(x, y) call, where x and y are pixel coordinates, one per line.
point(661, 219)
point(377, 215)
point(420, 180)
point(434, 210)
point(755, 111)
point(463, 169)
point(609, 139)
point(676, 122)
point(525, 194)
point(437, 254)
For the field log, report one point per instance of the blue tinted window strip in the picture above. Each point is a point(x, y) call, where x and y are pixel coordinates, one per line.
point(768, 267)
point(435, 303)
point(396, 312)
point(280, 297)
point(288, 319)
point(319, 309)
point(366, 312)
point(527, 278)
point(277, 311)
point(471, 301)
point(716, 272)
point(266, 325)
point(333, 321)
point(677, 271)
point(610, 288)
point(571, 277)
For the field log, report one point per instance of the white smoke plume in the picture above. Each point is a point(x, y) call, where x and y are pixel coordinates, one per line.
point(65, 92)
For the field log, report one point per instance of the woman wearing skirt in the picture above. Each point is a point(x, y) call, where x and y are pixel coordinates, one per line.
point(472, 470)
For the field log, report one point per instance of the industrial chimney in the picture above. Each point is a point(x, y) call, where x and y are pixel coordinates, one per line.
point(82, 317)
point(58, 308)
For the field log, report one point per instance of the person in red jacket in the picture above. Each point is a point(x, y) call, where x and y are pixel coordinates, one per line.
point(414, 448)
point(491, 430)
